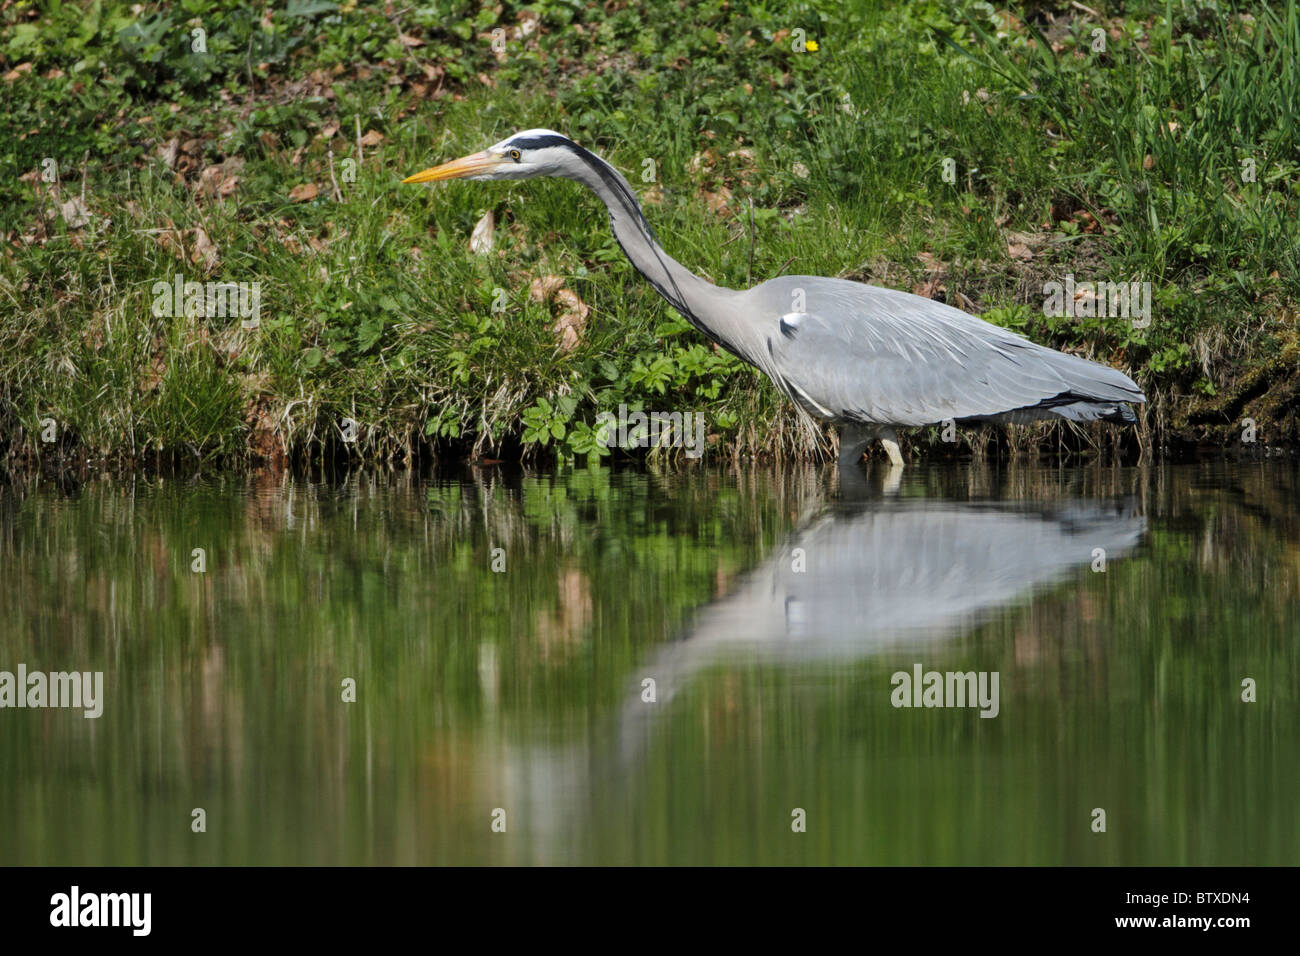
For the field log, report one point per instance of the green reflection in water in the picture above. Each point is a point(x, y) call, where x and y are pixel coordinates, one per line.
point(521, 690)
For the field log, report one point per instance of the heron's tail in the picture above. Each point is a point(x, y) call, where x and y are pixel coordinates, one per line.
point(1093, 392)
point(1071, 408)
point(1120, 413)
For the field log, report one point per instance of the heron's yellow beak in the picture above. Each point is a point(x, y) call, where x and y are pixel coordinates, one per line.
point(458, 168)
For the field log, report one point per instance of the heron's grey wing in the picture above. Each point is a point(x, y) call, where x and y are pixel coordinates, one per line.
point(859, 352)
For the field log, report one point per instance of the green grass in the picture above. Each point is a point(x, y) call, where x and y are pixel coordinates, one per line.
point(1125, 165)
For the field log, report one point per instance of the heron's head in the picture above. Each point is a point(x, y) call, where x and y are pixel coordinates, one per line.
point(534, 152)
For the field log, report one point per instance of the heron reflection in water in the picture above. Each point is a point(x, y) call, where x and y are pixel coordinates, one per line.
point(861, 579)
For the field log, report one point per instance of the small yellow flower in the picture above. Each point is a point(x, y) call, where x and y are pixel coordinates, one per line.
point(811, 46)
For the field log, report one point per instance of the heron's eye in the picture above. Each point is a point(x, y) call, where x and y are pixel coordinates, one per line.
point(514, 154)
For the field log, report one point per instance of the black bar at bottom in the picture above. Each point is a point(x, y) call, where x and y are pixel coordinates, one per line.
point(335, 905)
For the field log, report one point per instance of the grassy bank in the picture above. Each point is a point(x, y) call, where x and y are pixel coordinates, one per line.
point(960, 151)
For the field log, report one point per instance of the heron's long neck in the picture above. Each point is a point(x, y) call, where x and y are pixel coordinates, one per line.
point(694, 297)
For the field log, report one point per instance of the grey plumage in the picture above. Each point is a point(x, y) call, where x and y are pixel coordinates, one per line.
point(905, 360)
point(867, 358)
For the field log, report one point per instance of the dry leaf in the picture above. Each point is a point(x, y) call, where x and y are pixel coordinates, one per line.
point(703, 161)
point(17, 71)
point(571, 323)
point(304, 193)
point(169, 151)
point(927, 289)
point(372, 138)
point(220, 179)
point(1018, 250)
point(204, 251)
point(931, 262)
point(74, 212)
point(541, 288)
point(170, 240)
point(717, 202)
point(480, 240)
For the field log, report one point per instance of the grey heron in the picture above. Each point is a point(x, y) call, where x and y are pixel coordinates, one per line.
point(866, 358)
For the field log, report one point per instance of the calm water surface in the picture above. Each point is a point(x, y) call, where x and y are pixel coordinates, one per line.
point(769, 608)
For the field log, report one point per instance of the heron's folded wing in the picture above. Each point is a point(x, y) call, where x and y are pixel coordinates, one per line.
point(877, 355)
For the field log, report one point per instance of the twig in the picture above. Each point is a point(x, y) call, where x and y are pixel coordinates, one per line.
point(338, 193)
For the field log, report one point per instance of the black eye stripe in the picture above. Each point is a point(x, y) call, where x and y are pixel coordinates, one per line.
point(541, 142)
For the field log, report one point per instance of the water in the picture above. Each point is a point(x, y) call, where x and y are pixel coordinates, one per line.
point(521, 690)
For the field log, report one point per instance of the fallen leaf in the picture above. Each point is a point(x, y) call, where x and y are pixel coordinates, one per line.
point(304, 193)
point(74, 212)
point(703, 161)
point(927, 289)
point(931, 262)
point(1086, 219)
point(17, 71)
point(372, 138)
point(220, 180)
point(1018, 250)
point(205, 252)
point(569, 299)
point(717, 202)
point(170, 240)
point(541, 288)
point(480, 240)
point(169, 151)
point(572, 322)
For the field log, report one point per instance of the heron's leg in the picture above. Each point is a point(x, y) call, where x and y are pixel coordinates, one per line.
point(889, 441)
point(854, 440)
